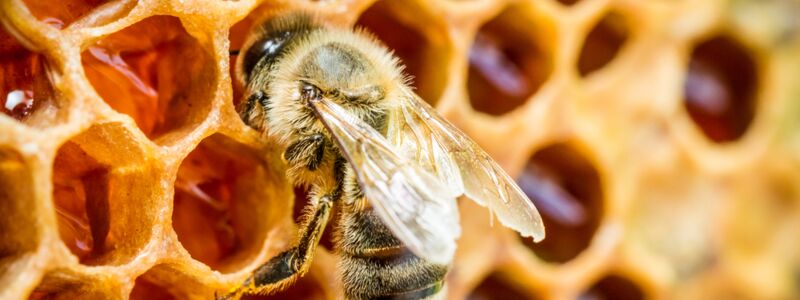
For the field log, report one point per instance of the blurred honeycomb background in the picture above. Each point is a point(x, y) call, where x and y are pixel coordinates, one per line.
point(658, 138)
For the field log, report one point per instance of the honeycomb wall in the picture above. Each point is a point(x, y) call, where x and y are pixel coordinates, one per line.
point(658, 139)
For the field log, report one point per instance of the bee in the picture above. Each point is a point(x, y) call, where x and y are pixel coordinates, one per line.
point(353, 131)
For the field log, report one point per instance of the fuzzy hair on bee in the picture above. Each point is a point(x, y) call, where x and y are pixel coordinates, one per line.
point(346, 66)
point(338, 103)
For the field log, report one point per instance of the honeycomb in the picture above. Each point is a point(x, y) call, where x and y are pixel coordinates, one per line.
point(658, 139)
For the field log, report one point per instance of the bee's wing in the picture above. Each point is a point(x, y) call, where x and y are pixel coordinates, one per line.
point(484, 181)
point(416, 140)
point(419, 210)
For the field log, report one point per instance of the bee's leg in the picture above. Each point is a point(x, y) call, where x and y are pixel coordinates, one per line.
point(257, 97)
point(307, 151)
point(286, 267)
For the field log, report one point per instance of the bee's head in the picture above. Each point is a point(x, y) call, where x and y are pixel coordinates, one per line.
point(293, 62)
point(269, 41)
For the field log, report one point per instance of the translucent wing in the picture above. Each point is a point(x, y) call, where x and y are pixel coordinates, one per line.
point(484, 181)
point(419, 210)
point(414, 139)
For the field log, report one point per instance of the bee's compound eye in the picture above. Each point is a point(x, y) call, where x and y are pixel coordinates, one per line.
point(269, 48)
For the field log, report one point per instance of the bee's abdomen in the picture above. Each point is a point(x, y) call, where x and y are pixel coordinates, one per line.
point(376, 265)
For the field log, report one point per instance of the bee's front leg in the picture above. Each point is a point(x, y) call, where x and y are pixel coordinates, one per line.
point(283, 269)
point(307, 151)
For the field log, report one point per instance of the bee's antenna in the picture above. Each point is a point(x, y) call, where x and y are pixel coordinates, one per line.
point(233, 52)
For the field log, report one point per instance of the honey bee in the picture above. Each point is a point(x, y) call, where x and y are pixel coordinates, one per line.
point(366, 145)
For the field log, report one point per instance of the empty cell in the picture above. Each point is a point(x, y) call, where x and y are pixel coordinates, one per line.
point(19, 230)
point(36, 295)
point(55, 286)
point(100, 191)
point(507, 62)
point(155, 72)
point(60, 14)
point(16, 205)
point(81, 192)
point(26, 93)
point(43, 293)
point(720, 88)
point(226, 200)
point(144, 289)
point(568, 2)
point(566, 189)
point(67, 292)
point(603, 43)
point(170, 281)
point(494, 287)
point(423, 53)
point(613, 287)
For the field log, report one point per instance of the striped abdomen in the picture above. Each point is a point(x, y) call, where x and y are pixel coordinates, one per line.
point(376, 265)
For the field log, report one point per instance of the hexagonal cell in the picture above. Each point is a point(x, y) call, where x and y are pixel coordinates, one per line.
point(74, 172)
point(753, 226)
point(26, 93)
point(613, 287)
point(568, 2)
point(423, 51)
point(304, 288)
point(508, 61)
point(226, 200)
point(58, 287)
point(567, 190)
point(720, 88)
point(16, 205)
point(155, 72)
point(66, 294)
point(145, 289)
point(603, 43)
point(721, 285)
point(19, 230)
point(693, 245)
point(101, 190)
point(171, 281)
point(60, 14)
point(494, 287)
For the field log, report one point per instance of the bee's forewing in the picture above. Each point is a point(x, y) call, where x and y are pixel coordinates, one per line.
point(419, 210)
point(414, 140)
point(484, 181)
